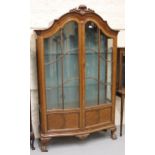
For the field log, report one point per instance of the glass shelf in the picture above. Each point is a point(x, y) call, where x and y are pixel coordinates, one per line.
point(69, 51)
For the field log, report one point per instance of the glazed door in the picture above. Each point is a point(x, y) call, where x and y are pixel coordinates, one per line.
point(61, 56)
point(98, 75)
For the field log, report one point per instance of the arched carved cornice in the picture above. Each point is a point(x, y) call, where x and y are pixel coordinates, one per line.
point(80, 13)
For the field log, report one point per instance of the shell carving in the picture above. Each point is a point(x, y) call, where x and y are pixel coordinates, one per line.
point(82, 9)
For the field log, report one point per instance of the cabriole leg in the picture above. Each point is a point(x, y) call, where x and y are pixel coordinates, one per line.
point(113, 133)
point(43, 144)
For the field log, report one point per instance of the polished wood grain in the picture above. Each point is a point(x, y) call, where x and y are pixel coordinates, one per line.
point(63, 120)
point(82, 121)
point(41, 83)
point(82, 73)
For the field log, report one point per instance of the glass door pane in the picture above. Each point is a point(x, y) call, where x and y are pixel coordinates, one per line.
point(98, 70)
point(91, 70)
point(62, 68)
point(53, 74)
point(71, 65)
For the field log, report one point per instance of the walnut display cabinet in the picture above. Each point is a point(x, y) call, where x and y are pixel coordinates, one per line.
point(76, 59)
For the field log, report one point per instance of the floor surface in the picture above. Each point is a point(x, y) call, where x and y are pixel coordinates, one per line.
point(95, 144)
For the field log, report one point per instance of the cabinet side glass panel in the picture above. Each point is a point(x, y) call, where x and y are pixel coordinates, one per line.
point(105, 68)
